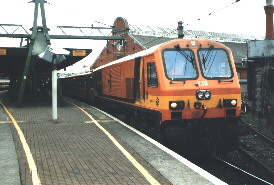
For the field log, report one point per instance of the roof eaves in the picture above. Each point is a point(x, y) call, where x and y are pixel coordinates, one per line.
point(136, 40)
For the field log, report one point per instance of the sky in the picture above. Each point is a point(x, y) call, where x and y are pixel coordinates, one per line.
point(244, 17)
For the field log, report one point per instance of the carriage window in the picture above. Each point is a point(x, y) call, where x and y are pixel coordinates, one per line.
point(152, 79)
point(215, 63)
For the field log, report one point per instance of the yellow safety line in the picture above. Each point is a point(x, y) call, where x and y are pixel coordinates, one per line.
point(103, 121)
point(137, 165)
point(32, 166)
point(12, 122)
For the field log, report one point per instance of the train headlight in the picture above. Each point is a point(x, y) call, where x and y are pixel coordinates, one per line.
point(200, 95)
point(176, 105)
point(230, 102)
point(207, 94)
point(203, 94)
point(233, 102)
point(173, 105)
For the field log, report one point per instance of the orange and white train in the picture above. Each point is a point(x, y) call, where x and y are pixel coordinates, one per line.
point(186, 86)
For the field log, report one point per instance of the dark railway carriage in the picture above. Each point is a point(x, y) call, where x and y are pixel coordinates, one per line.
point(77, 86)
point(190, 86)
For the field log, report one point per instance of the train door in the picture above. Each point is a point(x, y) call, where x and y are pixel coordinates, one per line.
point(136, 87)
point(98, 79)
point(139, 82)
point(86, 86)
point(150, 92)
point(91, 89)
point(151, 84)
point(142, 97)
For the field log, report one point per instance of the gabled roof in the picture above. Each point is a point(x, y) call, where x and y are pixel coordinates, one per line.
point(149, 41)
point(172, 33)
point(147, 37)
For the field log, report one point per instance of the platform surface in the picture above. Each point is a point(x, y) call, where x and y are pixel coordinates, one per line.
point(86, 146)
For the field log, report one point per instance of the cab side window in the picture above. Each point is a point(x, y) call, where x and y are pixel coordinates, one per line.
point(152, 79)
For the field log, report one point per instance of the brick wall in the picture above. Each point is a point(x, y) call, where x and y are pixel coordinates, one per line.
point(117, 49)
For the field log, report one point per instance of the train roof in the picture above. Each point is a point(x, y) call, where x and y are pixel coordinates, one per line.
point(132, 56)
point(238, 47)
point(126, 58)
point(147, 52)
point(75, 74)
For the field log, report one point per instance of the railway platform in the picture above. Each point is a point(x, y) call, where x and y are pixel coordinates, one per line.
point(85, 146)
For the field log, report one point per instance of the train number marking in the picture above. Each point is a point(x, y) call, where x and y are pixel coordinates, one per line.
point(202, 83)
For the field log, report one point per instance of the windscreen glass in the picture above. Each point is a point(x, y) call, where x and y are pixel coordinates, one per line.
point(180, 64)
point(215, 63)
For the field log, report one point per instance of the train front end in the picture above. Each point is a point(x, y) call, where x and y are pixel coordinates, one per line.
point(202, 94)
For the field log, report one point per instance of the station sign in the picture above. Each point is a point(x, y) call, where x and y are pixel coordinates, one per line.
point(3, 51)
point(79, 53)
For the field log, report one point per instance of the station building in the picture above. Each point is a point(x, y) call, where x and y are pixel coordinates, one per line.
point(261, 71)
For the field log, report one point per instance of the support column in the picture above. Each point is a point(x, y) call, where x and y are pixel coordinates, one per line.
point(54, 95)
point(32, 45)
point(25, 74)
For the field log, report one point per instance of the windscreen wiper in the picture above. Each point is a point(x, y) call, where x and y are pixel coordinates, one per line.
point(205, 57)
point(189, 58)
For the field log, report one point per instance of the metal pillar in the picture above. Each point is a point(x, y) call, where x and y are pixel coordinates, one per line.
point(54, 91)
point(31, 46)
point(24, 77)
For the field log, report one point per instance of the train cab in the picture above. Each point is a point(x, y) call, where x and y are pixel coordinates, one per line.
point(190, 79)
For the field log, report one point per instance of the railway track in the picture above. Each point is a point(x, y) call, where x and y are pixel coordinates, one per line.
point(263, 136)
point(258, 148)
point(246, 177)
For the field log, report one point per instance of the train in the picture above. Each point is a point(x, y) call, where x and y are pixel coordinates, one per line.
point(188, 89)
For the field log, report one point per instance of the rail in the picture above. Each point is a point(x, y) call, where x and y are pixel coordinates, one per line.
point(250, 175)
point(258, 147)
point(264, 136)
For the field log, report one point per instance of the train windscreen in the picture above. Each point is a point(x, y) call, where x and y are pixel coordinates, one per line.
point(215, 63)
point(180, 64)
